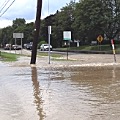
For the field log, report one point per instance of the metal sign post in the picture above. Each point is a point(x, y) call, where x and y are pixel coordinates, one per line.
point(100, 39)
point(18, 35)
point(49, 32)
point(15, 45)
point(67, 37)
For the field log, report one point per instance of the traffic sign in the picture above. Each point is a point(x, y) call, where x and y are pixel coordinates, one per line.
point(100, 38)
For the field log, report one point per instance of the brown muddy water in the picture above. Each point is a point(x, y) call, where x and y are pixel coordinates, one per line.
point(81, 93)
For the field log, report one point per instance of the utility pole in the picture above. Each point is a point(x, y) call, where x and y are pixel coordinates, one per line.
point(36, 32)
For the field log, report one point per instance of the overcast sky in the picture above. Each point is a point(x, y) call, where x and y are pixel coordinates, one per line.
point(27, 9)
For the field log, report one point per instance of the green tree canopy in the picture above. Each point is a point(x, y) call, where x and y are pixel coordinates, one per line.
point(86, 20)
point(97, 17)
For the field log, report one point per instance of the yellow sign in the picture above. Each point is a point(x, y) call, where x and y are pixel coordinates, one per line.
point(100, 38)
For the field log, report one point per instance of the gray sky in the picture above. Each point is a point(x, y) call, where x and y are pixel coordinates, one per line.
point(27, 9)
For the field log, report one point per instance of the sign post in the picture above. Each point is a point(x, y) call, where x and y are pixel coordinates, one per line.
point(49, 32)
point(18, 35)
point(67, 37)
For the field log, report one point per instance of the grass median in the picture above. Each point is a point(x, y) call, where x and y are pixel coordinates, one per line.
point(54, 55)
point(8, 57)
point(99, 48)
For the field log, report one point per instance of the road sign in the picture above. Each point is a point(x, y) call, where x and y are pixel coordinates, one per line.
point(100, 38)
point(18, 35)
point(67, 35)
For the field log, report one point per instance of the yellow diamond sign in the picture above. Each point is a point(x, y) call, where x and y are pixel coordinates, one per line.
point(100, 38)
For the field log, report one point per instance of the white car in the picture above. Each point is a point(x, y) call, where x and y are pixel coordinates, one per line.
point(45, 47)
point(16, 47)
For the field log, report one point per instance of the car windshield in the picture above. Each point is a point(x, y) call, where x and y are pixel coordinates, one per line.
point(46, 45)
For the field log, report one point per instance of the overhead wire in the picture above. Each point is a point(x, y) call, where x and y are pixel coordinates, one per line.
point(4, 5)
point(7, 8)
point(1, 4)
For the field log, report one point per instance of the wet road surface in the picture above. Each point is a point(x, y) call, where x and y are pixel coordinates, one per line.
point(77, 93)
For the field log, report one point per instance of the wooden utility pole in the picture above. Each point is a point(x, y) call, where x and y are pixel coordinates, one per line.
point(36, 32)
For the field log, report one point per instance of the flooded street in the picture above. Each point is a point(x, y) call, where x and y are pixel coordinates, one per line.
point(76, 93)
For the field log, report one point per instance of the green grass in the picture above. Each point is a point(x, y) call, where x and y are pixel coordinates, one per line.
point(92, 48)
point(107, 48)
point(62, 59)
point(51, 54)
point(8, 57)
point(56, 57)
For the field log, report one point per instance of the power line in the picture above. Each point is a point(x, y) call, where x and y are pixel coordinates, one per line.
point(7, 8)
point(4, 5)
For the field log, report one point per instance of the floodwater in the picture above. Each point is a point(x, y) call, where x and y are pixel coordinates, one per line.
point(81, 93)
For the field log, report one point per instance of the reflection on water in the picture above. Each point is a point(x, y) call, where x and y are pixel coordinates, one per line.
point(86, 93)
point(81, 93)
point(38, 98)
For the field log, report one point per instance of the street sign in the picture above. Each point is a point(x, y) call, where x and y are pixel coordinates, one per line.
point(67, 35)
point(100, 38)
point(18, 35)
point(49, 29)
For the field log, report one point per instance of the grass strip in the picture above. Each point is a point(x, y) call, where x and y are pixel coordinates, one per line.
point(51, 54)
point(8, 57)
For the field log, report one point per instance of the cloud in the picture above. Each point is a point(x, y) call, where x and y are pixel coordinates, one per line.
point(21, 9)
point(27, 9)
point(51, 6)
point(4, 23)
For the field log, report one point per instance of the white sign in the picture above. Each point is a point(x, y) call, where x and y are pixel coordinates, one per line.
point(18, 35)
point(49, 29)
point(67, 35)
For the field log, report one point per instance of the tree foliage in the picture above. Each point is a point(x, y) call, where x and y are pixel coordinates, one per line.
point(86, 20)
point(19, 26)
point(111, 18)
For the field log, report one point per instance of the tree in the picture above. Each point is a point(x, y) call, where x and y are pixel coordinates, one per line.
point(6, 35)
point(0, 35)
point(28, 32)
point(18, 22)
point(48, 21)
point(97, 17)
point(111, 18)
point(87, 20)
point(63, 22)
point(19, 26)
